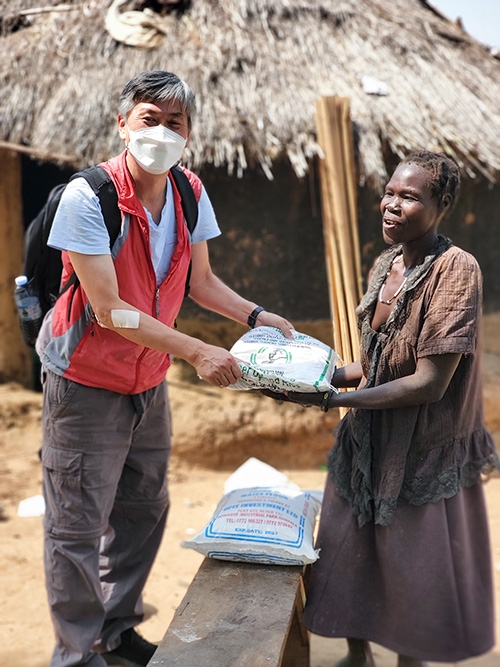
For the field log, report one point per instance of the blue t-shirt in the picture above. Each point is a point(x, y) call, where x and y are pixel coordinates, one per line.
point(79, 226)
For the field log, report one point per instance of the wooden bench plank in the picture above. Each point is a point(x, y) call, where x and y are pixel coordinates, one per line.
point(296, 651)
point(238, 615)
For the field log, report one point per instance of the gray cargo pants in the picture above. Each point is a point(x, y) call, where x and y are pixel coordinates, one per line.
point(104, 459)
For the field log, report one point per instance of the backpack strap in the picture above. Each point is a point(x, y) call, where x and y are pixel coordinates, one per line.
point(188, 198)
point(189, 208)
point(102, 185)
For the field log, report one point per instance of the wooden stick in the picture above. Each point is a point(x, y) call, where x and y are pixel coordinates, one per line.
point(338, 191)
point(37, 153)
point(336, 292)
point(352, 195)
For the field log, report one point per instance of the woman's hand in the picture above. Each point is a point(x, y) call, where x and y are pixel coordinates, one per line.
point(276, 395)
point(306, 399)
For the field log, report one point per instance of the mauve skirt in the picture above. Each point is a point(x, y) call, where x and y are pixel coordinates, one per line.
point(421, 587)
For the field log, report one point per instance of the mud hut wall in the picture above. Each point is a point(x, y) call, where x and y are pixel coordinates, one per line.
point(15, 358)
point(475, 226)
point(271, 249)
point(38, 179)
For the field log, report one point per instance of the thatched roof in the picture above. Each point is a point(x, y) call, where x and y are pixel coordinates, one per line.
point(257, 68)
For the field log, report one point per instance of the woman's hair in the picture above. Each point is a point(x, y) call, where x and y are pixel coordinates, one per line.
point(156, 86)
point(443, 170)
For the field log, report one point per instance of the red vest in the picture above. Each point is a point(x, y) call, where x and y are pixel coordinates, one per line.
point(84, 352)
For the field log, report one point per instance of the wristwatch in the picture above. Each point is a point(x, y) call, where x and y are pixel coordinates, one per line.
point(252, 318)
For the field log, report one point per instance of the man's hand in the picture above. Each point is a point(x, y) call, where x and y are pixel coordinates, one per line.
point(217, 366)
point(272, 320)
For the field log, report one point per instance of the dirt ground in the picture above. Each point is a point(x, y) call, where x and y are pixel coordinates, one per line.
point(214, 432)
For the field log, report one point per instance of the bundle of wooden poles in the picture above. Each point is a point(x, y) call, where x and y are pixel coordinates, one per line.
point(340, 226)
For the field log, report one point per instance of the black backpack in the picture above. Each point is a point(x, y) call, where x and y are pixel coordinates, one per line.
point(43, 264)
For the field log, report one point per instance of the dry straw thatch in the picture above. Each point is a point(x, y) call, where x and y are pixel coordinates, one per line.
point(257, 67)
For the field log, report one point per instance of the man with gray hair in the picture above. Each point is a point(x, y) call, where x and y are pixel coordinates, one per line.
point(106, 420)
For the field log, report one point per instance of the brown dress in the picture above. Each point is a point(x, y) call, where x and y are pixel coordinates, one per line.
point(404, 546)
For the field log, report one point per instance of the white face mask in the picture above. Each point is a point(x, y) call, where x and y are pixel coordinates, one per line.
point(156, 148)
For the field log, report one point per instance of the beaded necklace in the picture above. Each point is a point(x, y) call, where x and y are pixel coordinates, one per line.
point(388, 302)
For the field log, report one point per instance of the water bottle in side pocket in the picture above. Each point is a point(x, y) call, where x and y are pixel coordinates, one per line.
point(28, 309)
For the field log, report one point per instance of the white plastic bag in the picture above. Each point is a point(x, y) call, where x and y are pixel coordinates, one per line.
point(269, 360)
point(257, 473)
point(261, 524)
point(32, 506)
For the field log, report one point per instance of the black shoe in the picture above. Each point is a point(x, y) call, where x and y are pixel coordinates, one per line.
point(133, 651)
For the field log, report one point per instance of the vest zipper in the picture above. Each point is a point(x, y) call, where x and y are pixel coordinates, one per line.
point(157, 302)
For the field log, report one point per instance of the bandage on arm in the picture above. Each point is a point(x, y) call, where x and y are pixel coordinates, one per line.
point(125, 319)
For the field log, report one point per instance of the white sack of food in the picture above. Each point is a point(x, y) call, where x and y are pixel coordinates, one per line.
point(261, 524)
point(255, 472)
point(269, 360)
